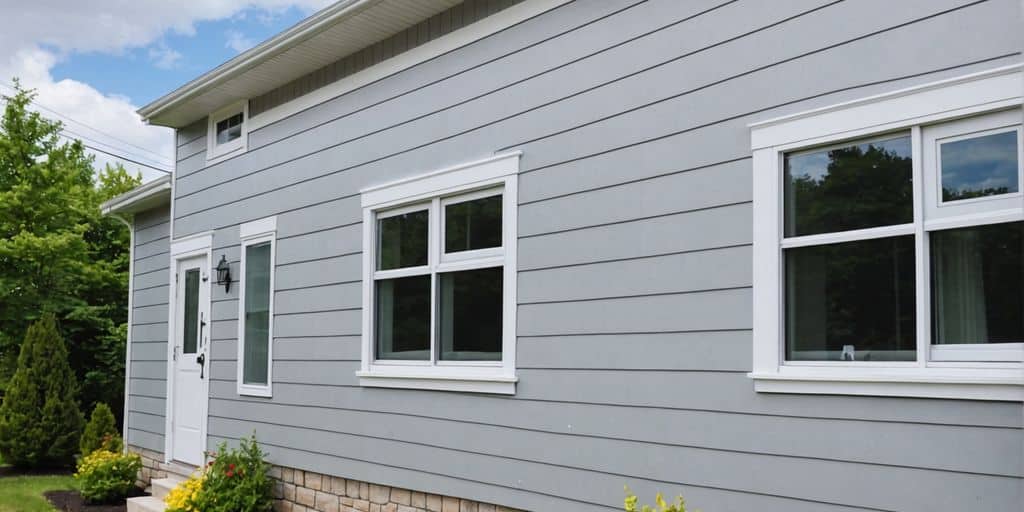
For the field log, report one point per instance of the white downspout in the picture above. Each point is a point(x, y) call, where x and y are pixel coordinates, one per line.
point(128, 340)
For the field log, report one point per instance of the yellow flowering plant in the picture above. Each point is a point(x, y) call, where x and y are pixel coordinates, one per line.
point(632, 501)
point(185, 496)
point(106, 474)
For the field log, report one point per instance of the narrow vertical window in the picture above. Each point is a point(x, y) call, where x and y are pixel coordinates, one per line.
point(255, 308)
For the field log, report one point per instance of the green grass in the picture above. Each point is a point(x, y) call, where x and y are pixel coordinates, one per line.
point(25, 493)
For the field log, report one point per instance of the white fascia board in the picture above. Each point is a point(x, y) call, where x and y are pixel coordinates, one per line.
point(140, 198)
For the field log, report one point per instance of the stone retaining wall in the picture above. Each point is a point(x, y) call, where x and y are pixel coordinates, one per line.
point(306, 491)
point(152, 466)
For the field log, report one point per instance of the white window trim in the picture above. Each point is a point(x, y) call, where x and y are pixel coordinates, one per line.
point(908, 109)
point(252, 233)
point(497, 377)
point(218, 152)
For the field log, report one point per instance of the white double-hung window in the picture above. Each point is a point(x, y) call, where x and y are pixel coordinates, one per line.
point(227, 132)
point(439, 279)
point(889, 244)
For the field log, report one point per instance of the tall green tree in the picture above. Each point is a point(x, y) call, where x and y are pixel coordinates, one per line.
point(40, 420)
point(57, 253)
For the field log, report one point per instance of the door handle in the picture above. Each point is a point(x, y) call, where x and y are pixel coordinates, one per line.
point(201, 360)
point(202, 325)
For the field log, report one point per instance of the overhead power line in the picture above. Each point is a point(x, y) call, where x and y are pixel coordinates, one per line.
point(67, 134)
point(97, 130)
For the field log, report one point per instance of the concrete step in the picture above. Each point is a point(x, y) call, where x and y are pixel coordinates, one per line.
point(161, 486)
point(146, 504)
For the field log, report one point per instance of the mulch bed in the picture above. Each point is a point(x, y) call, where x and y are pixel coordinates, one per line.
point(71, 501)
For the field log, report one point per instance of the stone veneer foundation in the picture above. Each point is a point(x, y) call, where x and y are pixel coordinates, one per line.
point(296, 490)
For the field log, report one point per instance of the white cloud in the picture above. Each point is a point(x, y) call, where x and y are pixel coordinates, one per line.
point(38, 34)
point(164, 57)
point(237, 41)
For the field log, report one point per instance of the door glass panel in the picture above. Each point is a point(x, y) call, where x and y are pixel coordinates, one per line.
point(470, 315)
point(851, 301)
point(980, 166)
point(471, 225)
point(257, 313)
point(402, 240)
point(403, 318)
point(191, 327)
point(978, 284)
point(863, 185)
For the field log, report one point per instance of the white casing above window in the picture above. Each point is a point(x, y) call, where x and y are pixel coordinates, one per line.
point(948, 100)
point(217, 152)
point(416, 193)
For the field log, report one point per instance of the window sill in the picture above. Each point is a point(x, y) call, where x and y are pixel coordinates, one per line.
point(1004, 385)
point(493, 384)
point(256, 391)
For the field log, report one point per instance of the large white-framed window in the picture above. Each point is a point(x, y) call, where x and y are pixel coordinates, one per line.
point(227, 131)
point(889, 244)
point(439, 279)
point(256, 307)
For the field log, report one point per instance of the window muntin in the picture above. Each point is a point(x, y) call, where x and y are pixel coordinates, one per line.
point(817, 287)
point(230, 128)
point(256, 310)
point(429, 310)
point(825, 189)
point(979, 165)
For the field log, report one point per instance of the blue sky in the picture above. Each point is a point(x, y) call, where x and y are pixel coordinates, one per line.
point(93, 63)
point(144, 74)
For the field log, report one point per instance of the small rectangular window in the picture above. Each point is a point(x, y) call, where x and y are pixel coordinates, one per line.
point(473, 224)
point(229, 129)
point(403, 318)
point(257, 313)
point(402, 240)
point(256, 307)
point(470, 315)
point(979, 166)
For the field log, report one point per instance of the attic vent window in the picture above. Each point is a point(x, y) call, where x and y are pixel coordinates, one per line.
point(229, 129)
point(227, 133)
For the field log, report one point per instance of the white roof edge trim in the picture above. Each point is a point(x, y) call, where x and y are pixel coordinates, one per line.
point(1003, 70)
point(268, 49)
point(147, 191)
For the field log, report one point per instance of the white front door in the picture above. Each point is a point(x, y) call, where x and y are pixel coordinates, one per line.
point(190, 366)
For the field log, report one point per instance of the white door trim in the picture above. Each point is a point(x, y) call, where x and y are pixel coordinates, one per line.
point(200, 244)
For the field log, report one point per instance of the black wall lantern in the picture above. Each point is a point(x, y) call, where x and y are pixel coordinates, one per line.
point(224, 273)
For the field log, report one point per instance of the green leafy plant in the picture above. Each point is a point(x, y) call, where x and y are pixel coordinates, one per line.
point(631, 504)
point(101, 425)
point(106, 474)
point(233, 480)
point(40, 423)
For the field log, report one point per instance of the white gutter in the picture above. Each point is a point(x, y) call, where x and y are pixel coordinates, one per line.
point(266, 50)
point(128, 335)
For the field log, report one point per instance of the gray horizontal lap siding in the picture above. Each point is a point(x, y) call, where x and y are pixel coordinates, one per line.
point(147, 384)
point(634, 265)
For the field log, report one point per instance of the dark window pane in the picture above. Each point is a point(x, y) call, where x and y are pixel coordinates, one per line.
point(229, 129)
point(472, 224)
point(191, 328)
point(403, 318)
point(853, 187)
point(978, 284)
point(851, 301)
point(257, 313)
point(402, 240)
point(470, 315)
point(980, 166)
